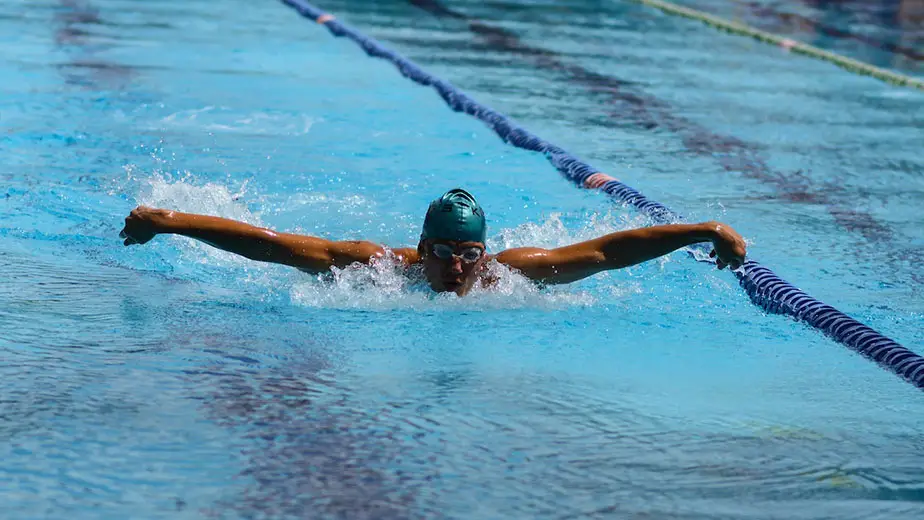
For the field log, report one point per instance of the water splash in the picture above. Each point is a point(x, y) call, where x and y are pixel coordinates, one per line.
point(184, 194)
point(554, 232)
point(194, 259)
point(386, 285)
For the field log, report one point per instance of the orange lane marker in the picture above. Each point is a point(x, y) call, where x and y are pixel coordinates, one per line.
point(597, 180)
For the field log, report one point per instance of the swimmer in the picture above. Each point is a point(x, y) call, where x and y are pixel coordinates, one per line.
point(451, 250)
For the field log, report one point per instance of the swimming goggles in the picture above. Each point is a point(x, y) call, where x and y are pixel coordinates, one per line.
point(468, 255)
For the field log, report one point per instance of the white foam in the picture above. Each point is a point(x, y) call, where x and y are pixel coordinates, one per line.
point(385, 285)
point(552, 232)
point(226, 120)
point(184, 194)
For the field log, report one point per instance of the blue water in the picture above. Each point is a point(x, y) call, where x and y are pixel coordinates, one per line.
point(172, 380)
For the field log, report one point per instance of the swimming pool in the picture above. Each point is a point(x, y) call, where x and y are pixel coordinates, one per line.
point(174, 380)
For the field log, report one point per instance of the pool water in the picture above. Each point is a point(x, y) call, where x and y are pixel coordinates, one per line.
point(173, 380)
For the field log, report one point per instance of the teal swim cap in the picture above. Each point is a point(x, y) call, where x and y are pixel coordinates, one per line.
point(455, 216)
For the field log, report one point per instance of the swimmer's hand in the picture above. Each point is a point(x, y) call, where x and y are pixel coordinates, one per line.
point(141, 225)
point(728, 246)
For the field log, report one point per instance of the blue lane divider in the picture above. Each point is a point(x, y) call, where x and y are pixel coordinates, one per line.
point(765, 289)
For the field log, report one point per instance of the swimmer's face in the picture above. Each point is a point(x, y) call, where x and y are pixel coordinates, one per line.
point(452, 266)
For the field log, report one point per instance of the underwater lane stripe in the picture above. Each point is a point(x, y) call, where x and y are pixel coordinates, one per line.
point(765, 289)
point(741, 29)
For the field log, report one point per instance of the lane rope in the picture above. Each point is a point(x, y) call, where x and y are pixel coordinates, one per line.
point(765, 289)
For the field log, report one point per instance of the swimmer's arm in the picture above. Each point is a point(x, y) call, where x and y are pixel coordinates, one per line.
point(308, 253)
point(623, 249)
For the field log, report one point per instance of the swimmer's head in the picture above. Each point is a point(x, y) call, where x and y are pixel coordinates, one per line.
point(452, 244)
point(455, 216)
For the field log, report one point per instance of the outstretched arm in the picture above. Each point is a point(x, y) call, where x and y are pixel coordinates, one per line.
point(622, 249)
point(308, 253)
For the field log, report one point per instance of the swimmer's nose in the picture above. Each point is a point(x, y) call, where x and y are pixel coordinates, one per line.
point(456, 265)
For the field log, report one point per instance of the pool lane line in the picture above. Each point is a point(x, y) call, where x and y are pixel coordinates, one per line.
point(830, 30)
point(765, 289)
point(788, 44)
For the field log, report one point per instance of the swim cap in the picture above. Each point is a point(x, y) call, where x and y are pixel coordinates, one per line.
point(455, 216)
